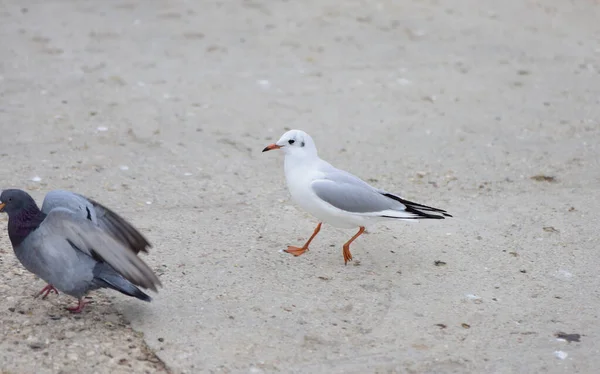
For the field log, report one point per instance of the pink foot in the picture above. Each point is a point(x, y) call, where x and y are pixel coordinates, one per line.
point(47, 290)
point(78, 308)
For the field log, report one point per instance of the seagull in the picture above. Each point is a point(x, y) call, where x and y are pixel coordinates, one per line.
point(75, 252)
point(337, 197)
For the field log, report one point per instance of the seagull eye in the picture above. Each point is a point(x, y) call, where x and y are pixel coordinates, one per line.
point(291, 141)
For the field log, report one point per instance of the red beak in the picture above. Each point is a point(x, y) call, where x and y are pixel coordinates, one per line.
point(270, 147)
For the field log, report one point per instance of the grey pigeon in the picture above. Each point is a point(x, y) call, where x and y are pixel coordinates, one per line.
point(97, 213)
point(77, 245)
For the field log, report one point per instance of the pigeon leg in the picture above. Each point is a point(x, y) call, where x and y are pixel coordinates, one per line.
point(47, 290)
point(78, 308)
point(296, 251)
point(346, 251)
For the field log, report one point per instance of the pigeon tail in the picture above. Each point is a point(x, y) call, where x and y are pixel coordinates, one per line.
point(111, 279)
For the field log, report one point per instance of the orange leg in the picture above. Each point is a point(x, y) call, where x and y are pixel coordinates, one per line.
point(346, 251)
point(296, 251)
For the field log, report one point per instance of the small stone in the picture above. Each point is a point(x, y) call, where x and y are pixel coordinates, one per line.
point(550, 229)
point(36, 345)
point(543, 178)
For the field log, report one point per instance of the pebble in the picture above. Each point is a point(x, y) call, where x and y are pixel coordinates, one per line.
point(36, 345)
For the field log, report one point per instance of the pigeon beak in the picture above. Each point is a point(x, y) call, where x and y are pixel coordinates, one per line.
point(271, 147)
point(2, 205)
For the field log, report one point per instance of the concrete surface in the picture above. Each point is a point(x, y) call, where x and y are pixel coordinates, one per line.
point(160, 110)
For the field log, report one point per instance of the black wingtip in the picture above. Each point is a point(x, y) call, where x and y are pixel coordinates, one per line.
point(142, 296)
point(419, 210)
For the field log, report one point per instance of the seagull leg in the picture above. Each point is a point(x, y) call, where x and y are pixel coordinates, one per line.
point(346, 251)
point(78, 308)
point(47, 290)
point(296, 251)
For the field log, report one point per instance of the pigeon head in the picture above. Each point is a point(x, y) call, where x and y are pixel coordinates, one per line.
point(13, 201)
point(294, 142)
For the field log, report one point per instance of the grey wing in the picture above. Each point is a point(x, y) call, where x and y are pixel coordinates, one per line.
point(118, 227)
point(340, 176)
point(95, 242)
point(360, 197)
point(69, 200)
point(353, 197)
point(99, 214)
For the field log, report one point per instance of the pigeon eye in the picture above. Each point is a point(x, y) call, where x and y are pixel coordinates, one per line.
point(291, 141)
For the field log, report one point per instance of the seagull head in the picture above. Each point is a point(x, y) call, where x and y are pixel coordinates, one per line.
point(294, 142)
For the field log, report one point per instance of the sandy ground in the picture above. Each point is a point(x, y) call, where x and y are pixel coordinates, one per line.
point(160, 110)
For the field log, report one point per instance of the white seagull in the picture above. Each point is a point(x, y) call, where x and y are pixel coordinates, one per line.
point(337, 197)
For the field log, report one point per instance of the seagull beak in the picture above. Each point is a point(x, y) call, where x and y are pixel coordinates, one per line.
point(271, 147)
point(2, 205)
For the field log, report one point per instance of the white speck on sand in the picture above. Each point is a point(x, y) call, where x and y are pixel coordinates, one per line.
point(264, 83)
point(562, 273)
point(561, 355)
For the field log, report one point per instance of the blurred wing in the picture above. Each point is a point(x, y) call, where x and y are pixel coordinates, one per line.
point(68, 200)
point(118, 227)
point(95, 242)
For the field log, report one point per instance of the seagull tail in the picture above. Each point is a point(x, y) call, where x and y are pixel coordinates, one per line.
point(414, 210)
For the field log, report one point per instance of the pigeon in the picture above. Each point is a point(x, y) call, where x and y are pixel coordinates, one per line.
point(95, 212)
point(77, 245)
point(337, 197)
